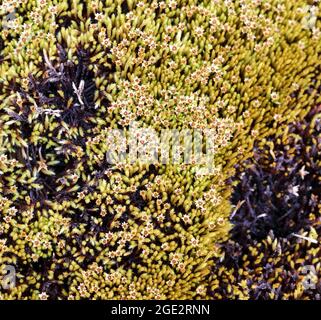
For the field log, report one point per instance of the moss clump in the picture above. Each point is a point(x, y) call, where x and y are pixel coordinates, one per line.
point(276, 231)
point(75, 226)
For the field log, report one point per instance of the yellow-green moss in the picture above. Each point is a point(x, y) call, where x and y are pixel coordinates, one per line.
point(241, 67)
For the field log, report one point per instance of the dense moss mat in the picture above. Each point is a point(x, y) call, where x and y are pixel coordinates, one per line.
point(274, 248)
point(75, 226)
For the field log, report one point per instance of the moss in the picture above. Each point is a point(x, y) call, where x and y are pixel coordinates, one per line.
point(76, 226)
point(276, 231)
